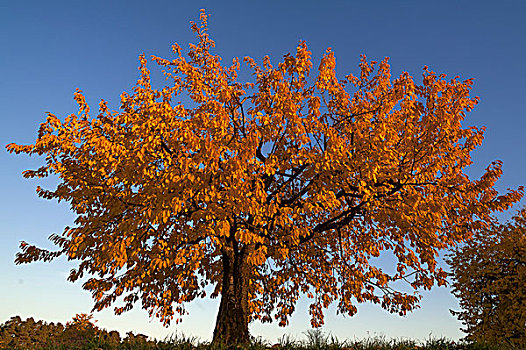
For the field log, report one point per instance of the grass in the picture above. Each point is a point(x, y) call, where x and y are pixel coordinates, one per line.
point(16, 334)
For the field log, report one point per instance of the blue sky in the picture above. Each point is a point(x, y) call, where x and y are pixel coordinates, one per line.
point(51, 48)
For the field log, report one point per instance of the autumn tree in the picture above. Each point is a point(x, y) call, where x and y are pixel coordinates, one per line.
point(80, 333)
point(291, 184)
point(489, 275)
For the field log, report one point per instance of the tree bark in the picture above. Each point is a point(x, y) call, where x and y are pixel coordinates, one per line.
point(233, 317)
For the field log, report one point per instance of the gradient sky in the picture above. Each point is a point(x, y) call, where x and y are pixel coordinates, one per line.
point(50, 48)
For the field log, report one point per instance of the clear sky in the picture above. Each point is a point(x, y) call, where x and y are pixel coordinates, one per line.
point(50, 48)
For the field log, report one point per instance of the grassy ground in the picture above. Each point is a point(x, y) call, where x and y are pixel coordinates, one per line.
point(313, 342)
point(316, 340)
point(81, 334)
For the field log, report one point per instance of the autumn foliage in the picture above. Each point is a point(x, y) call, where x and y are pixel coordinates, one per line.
point(291, 184)
point(80, 333)
point(489, 275)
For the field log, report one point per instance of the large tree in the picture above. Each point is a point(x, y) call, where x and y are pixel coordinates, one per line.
point(489, 279)
point(266, 190)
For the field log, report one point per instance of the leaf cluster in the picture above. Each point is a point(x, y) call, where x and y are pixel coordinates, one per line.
point(489, 275)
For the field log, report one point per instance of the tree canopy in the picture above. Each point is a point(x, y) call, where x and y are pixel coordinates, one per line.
point(489, 274)
point(293, 183)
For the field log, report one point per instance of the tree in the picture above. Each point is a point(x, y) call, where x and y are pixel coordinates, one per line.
point(489, 274)
point(264, 190)
point(80, 333)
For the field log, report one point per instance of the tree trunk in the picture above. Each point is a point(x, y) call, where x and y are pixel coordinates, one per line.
point(232, 319)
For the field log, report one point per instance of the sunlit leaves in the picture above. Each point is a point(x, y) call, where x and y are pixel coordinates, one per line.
point(489, 275)
point(307, 179)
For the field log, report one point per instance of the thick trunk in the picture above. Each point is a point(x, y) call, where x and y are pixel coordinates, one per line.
point(232, 320)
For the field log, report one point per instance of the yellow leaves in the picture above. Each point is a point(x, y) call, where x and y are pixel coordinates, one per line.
point(245, 236)
point(258, 257)
point(224, 228)
point(488, 279)
point(305, 182)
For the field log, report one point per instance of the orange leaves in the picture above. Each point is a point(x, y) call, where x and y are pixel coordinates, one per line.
point(304, 182)
point(82, 322)
point(489, 281)
point(327, 77)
